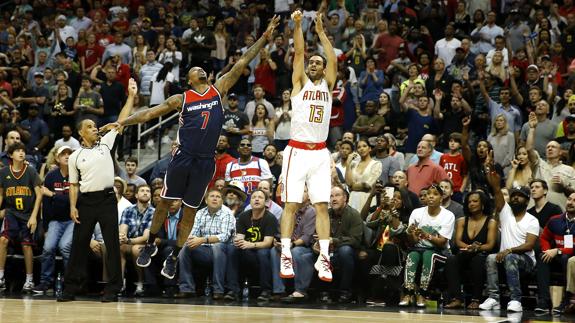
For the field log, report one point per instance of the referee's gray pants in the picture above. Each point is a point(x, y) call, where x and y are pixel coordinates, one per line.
point(95, 207)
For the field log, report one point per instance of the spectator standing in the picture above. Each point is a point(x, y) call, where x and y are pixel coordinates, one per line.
point(20, 188)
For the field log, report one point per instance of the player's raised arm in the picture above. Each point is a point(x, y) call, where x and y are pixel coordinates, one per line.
point(298, 77)
point(224, 83)
point(331, 68)
point(129, 105)
point(172, 103)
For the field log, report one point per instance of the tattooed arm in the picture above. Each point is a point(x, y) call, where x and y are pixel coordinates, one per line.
point(224, 83)
point(172, 103)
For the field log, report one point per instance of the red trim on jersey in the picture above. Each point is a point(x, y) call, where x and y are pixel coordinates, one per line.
point(195, 96)
point(21, 172)
point(287, 173)
point(307, 145)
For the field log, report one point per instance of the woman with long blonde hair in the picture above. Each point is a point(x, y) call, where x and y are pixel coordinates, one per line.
point(522, 171)
point(50, 163)
point(496, 68)
point(503, 142)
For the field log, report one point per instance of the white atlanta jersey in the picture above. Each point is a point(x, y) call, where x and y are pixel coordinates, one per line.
point(311, 110)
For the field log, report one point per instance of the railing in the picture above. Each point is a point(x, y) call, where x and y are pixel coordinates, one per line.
point(157, 126)
point(6, 3)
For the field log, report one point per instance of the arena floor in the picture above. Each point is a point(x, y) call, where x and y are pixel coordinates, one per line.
point(38, 309)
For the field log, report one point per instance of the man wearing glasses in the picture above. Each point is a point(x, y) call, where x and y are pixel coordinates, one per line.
point(247, 169)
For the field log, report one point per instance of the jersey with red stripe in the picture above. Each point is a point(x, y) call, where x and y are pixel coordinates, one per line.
point(250, 173)
point(201, 121)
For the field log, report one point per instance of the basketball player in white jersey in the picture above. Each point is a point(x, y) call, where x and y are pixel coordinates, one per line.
point(306, 158)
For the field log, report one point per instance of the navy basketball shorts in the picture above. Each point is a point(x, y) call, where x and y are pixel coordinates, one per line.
point(16, 230)
point(187, 178)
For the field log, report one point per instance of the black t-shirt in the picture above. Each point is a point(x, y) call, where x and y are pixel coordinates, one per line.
point(256, 230)
point(237, 120)
point(19, 195)
point(451, 123)
point(205, 37)
point(549, 210)
point(113, 97)
point(57, 207)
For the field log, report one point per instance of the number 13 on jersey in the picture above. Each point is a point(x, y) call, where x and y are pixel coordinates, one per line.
point(315, 113)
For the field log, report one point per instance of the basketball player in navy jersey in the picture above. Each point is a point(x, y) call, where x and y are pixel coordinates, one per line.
point(193, 162)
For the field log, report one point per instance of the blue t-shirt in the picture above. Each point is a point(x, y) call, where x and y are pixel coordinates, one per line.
point(417, 127)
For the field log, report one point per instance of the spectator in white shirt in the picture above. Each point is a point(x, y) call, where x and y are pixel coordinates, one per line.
point(173, 55)
point(64, 30)
point(445, 47)
point(67, 139)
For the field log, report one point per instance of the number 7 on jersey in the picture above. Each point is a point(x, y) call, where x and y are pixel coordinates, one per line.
point(315, 113)
point(206, 116)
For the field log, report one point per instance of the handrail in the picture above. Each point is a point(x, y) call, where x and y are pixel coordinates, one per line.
point(160, 123)
point(5, 4)
point(158, 126)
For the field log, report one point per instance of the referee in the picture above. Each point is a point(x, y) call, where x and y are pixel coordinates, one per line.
point(91, 171)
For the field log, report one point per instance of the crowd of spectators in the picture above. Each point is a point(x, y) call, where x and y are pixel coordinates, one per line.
point(452, 135)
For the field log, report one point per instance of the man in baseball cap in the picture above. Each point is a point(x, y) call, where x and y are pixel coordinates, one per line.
point(56, 208)
point(519, 232)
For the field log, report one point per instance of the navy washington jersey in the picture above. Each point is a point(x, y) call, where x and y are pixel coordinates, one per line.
point(201, 121)
point(19, 195)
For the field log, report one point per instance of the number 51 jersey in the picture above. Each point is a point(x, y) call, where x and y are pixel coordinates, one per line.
point(311, 111)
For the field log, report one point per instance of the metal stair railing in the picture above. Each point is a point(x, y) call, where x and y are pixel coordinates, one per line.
point(158, 126)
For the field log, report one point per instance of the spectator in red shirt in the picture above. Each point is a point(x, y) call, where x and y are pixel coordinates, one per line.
point(387, 46)
point(91, 54)
point(265, 73)
point(122, 71)
point(454, 165)
point(425, 172)
point(566, 8)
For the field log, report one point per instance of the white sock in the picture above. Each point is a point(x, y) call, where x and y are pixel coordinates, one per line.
point(324, 247)
point(286, 246)
point(1, 273)
point(29, 277)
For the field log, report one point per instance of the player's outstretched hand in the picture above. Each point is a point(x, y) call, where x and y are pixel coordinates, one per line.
point(274, 22)
point(297, 16)
point(319, 23)
point(132, 87)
